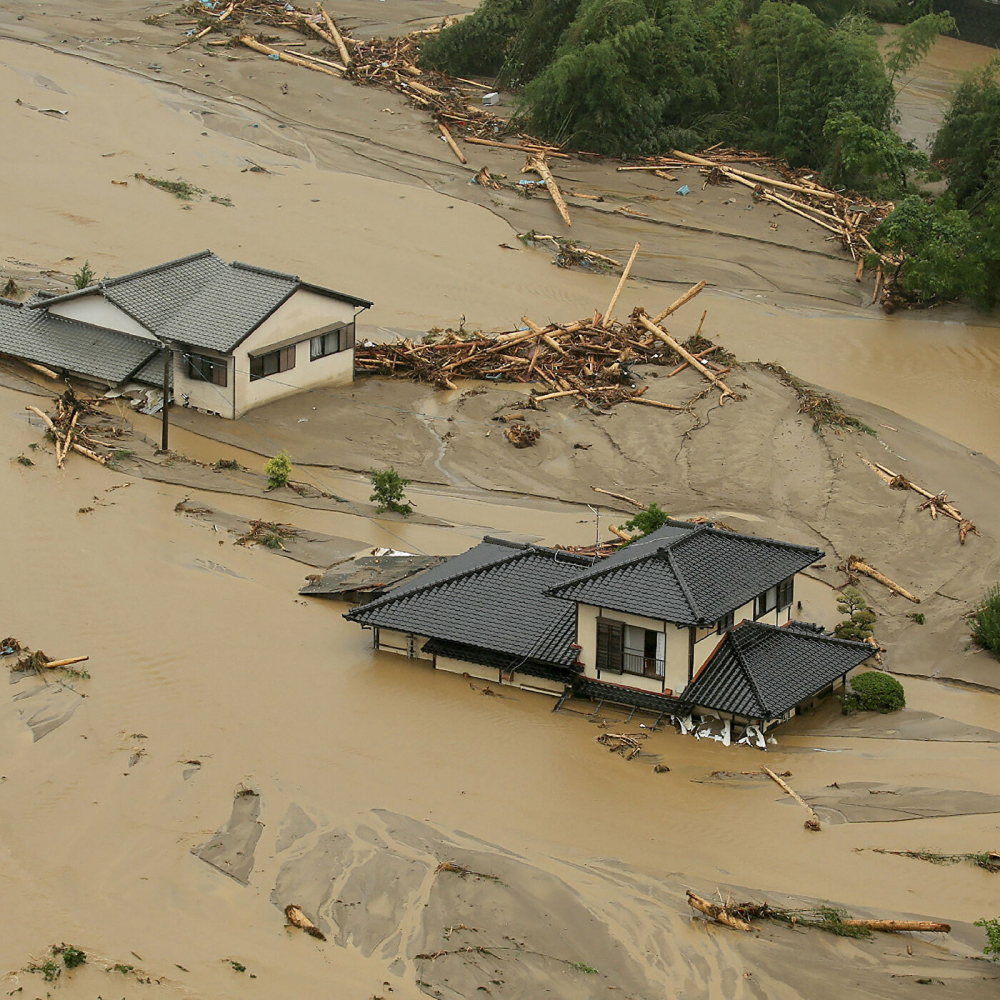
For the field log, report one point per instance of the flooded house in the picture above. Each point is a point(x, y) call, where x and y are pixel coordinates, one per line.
point(237, 335)
point(690, 620)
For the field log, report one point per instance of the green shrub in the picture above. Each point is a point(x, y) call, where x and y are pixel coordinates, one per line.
point(858, 617)
point(389, 491)
point(72, 957)
point(278, 470)
point(647, 521)
point(874, 692)
point(992, 928)
point(84, 276)
point(986, 620)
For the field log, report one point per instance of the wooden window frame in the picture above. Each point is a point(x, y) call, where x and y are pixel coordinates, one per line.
point(272, 363)
point(205, 368)
point(318, 346)
point(786, 593)
point(610, 656)
point(725, 623)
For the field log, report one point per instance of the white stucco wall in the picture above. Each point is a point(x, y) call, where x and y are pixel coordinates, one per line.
point(396, 642)
point(197, 392)
point(97, 311)
point(301, 316)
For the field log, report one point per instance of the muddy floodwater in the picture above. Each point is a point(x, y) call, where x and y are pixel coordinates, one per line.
point(237, 748)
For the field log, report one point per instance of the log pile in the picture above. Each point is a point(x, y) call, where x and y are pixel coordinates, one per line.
point(68, 430)
point(622, 743)
point(588, 360)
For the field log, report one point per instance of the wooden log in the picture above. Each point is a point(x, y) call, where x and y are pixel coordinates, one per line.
point(322, 62)
point(609, 312)
point(549, 340)
point(620, 496)
point(856, 565)
point(785, 203)
point(204, 31)
point(100, 459)
point(621, 534)
point(656, 402)
point(674, 306)
point(422, 89)
point(556, 395)
point(718, 913)
point(42, 370)
point(252, 43)
point(878, 284)
point(699, 356)
point(536, 164)
point(510, 145)
point(861, 269)
point(759, 178)
point(812, 823)
point(932, 926)
point(53, 664)
point(48, 420)
point(689, 357)
point(316, 30)
point(337, 37)
point(451, 142)
point(61, 457)
point(295, 916)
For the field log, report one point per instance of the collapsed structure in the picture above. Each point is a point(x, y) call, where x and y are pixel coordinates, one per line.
point(226, 337)
point(689, 620)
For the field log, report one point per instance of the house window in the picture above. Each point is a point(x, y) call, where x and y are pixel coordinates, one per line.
point(202, 368)
point(340, 338)
point(610, 645)
point(786, 593)
point(271, 364)
point(725, 623)
point(644, 652)
point(767, 601)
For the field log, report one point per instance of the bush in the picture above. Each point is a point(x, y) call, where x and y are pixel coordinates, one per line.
point(874, 692)
point(859, 618)
point(84, 276)
point(278, 470)
point(389, 491)
point(986, 620)
point(647, 521)
point(992, 928)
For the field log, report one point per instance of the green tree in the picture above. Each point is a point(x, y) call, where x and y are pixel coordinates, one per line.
point(278, 470)
point(84, 277)
point(873, 691)
point(647, 521)
point(479, 43)
point(858, 617)
point(910, 44)
point(992, 928)
point(863, 156)
point(986, 620)
point(389, 491)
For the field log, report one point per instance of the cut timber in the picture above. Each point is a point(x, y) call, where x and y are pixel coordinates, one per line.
point(100, 459)
point(252, 43)
point(609, 312)
point(812, 823)
point(900, 925)
point(620, 496)
point(316, 30)
point(689, 357)
point(536, 164)
point(42, 370)
point(759, 178)
point(322, 62)
point(337, 38)
point(656, 402)
point(451, 142)
point(53, 664)
point(878, 284)
point(297, 918)
point(700, 355)
point(674, 306)
point(421, 89)
point(856, 565)
point(718, 913)
point(556, 395)
point(861, 269)
point(510, 145)
point(621, 534)
point(204, 31)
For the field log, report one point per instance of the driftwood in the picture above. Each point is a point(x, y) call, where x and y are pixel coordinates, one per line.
point(610, 311)
point(42, 370)
point(251, 43)
point(619, 533)
point(933, 926)
point(620, 496)
point(335, 34)
point(53, 664)
point(295, 916)
point(662, 334)
point(521, 148)
point(856, 565)
point(656, 402)
point(718, 913)
point(674, 306)
point(451, 143)
point(536, 164)
point(812, 823)
point(225, 15)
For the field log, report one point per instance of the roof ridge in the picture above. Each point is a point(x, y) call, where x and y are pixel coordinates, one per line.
point(738, 654)
point(43, 298)
point(266, 270)
point(110, 282)
point(155, 345)
point(812, 636)
point(10, 302)
point(685, 589)
point(763, 540)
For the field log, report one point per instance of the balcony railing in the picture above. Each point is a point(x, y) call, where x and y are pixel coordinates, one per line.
point(642, 666)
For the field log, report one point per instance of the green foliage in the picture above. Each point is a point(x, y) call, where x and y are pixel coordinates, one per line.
point(49, 969)
point(278, 470)
point(182, 189)
point(389, 491)
point(874, 692)
point(237, 966)
point(84, 277)
point(585, 968)
point(969, 139)
point(944, 253)
point(865, 157)
point(23, 460)
point(858, 617)
point(122, 968)
point(992, 928)
point(227, 463)
point(986, 620)
point(647, 521)
point(917, 617)
point(910, 44)
point(72, 957)
point(479, 43)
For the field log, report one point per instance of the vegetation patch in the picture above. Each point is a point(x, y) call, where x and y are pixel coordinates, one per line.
point(987, 860)
point(267, 533)
point(278, 470)
point(874, 692)
point(858, 617)
point(824, 410)
point(985, 621)
point(992, 928)
point(646, 522)
point(389, 491)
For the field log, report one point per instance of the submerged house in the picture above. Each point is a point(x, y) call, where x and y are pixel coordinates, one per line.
point(690, 620)
point(238, 335)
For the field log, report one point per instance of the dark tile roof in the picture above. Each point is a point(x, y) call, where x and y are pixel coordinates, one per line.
point(618, 694)
point(761, 671)
point(199, 300)
point(69, 345)
point(495, 597)
point(688, 574)
point(368, 574)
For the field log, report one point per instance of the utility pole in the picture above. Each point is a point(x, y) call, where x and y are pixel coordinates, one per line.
point(165, 419)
